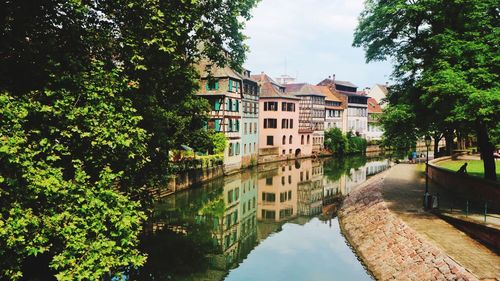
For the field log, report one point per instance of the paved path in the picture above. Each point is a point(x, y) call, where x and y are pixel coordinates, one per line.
point(388, 246)
point(402, 191)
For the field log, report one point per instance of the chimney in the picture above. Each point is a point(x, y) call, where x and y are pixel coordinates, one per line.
point(262, 76)
point(333, 77)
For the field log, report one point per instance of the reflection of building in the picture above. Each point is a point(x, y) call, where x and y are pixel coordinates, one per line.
point(310, 189)
point(277, 198)
point(355, 178)
point(376, 167)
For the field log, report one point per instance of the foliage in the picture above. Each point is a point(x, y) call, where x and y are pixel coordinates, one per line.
point(62, 154)
point(341, 144)
point(336, 141)
point(356, 145)
point(398, 137)
point(219, 141)
point(93, 96)
point(446, 66)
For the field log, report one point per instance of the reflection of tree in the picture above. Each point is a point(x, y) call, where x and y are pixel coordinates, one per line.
point(337, 167)
point(213, 214)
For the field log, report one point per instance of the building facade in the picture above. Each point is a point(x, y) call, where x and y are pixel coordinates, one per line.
point(334, 112)
point(222, 88)
point(279, 136)
point(357, 106)
point(374, 131)
point(311, 113)
point(250, 120)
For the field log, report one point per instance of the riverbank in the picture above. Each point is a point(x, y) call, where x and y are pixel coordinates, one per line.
point(387, 245)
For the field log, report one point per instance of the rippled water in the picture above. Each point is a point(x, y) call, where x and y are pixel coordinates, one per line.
point(273, 222)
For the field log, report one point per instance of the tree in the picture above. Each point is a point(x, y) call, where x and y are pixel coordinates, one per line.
point(336, 141)
point(93, 95)
point(446, 63)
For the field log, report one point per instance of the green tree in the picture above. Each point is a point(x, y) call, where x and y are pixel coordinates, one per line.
point(93, 95)
point(446, 64)
point(336, 141)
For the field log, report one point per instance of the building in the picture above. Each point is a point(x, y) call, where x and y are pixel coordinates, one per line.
point(279, 136)
point(357, 105)
point(374, 131)
point(334, 112)
point(222, 87)
point(311, 113)
point(285, 79)
point(250, 120)
point(379, 92)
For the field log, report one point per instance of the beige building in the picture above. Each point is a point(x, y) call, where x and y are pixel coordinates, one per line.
point(379, 92)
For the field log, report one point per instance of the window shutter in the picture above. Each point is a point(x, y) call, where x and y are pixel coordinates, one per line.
point(217, 125)
point(230, 85)
point(217, 105)
point(237, 105)
point(206, 86)
point(217, 85)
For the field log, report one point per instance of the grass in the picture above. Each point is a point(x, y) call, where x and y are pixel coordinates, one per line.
point(474, 167)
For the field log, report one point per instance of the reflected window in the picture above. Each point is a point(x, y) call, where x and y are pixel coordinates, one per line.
point(269, 181)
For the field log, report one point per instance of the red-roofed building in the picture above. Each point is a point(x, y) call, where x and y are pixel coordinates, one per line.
point(374, 131)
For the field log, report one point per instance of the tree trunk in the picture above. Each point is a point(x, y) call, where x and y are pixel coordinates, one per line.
point(448, 137)
point(437, 138)
point(487, 149)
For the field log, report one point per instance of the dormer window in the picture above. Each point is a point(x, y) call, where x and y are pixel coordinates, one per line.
point(212, 84)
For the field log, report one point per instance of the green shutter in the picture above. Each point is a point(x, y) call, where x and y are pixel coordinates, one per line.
point(237, 125)
point(217, 125)
point(206, 86)
point(230, 85)
point(217, 85)
point(217, 105)
point(237, 105)
point(227, 104)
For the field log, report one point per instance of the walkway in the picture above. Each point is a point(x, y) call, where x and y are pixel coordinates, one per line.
point(403, 189)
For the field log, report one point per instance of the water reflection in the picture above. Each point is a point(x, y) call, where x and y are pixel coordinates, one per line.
point(207, 232)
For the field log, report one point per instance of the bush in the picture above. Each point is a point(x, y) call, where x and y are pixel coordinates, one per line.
point(341, 144)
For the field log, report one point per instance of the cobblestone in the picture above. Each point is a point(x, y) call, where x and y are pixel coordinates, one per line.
point(391, 249)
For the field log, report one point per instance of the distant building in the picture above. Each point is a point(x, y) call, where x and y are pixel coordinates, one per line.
point(312, 113)
point(334, 112)
point(379, 92)
point(374, 131)
point(357, 111)
point(221, 86)
point(279, 136)
point(285, 79)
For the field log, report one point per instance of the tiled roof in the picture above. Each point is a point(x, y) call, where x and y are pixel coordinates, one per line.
point(329, 96)
point(304, 89)
point(205, 68)
point(270, 88)
point(373, 106)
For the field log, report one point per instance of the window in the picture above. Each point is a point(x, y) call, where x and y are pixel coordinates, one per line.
point(289, 176)
point(268, 197)
point(302, 139)
point(250, 129)
point(245, 148)
point(284, 141)
point(283, 106)
point(270, 140)
point(270, 123)
point(230, 149)
point(212, 85)
point(270, 106)
point(230, 196)
point(283, 152)
point(269, 181)
point(245, 128)
point(255, 128)
point(283, 180)
point(290, 151)
point(290, 142)
point(291, 123)
point(284, 123)
point(308, 139)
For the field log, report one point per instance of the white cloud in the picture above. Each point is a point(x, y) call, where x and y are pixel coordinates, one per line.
point(314, 37)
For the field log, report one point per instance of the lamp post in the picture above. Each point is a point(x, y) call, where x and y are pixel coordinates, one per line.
point(426, 195)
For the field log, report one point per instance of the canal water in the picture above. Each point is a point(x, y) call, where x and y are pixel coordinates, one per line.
point(273, 222)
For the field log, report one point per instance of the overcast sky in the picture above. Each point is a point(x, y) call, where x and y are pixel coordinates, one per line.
point(310, 40)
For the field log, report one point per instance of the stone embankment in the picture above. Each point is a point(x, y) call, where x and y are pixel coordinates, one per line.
point(390, 249)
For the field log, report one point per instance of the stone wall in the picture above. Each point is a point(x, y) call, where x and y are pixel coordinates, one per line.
point(464, 185)
point(389, 248)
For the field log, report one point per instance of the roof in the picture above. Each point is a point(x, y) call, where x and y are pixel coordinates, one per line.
point(207, 68)
point(304, 89)
point(373, 106)
point(345, 83)
point(329, 96)
point(270, 88)
point(384, 88)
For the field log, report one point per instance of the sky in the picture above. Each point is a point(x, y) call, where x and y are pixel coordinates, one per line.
point(310, 40)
